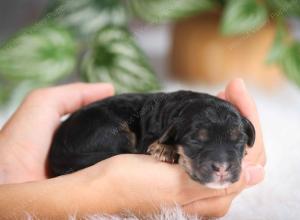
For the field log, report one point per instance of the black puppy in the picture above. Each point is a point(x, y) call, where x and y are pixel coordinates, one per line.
point(207, 136)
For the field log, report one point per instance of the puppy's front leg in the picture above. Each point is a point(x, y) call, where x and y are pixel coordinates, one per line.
point(163, 152)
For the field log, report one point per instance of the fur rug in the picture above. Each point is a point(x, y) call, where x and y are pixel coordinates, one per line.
point(166, 214)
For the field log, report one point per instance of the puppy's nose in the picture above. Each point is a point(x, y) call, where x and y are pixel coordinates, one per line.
point(221, 169)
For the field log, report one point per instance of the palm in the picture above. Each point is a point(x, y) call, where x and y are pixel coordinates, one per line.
point(27, 135)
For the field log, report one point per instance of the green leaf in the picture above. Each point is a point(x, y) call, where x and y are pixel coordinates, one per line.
point(158, 11)
point(86, 17)
point(284, 7)
point(243, 16)
point(291, 62)
point(278, 47)
point(12, 93)
point(5, 92)
point(43, 53)
point(114, 57)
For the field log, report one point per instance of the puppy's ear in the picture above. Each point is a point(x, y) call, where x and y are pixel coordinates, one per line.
point(250, 131)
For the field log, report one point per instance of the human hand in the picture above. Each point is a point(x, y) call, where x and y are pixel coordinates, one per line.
point(25, 139)
point(119, 183)
point(255, 160)
point(136, 184)
point(142, 188)
point(142, 185)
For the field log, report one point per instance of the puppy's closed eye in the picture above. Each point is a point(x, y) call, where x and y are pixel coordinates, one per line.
point(234, 134)
point(203, 134)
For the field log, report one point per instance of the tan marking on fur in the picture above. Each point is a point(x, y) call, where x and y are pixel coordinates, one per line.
point(234, 134)
point(131, 136)
point(184, 161)
point(203, 134)
point(162, 152)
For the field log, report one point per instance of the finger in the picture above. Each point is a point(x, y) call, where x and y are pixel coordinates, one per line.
point(57, 101)
point(238, 186)
point(218, 203)
point(212, 207)
point(194, 191)
point(254, 174)
point(262, 159)
point(38, 116)
point(251, 175)
point(237, 94)
point(69, 98)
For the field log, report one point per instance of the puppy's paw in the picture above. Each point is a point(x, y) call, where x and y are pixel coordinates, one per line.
point(162, 152)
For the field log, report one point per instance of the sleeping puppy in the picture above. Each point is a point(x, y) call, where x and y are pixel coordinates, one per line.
point(207, 136)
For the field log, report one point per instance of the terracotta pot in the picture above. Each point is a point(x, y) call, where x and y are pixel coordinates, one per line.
point(200, 53)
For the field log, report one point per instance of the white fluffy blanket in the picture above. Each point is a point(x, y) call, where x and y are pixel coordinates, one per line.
point(166, 214)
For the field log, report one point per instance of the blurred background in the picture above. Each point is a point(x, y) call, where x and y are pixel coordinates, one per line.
point(151, 45)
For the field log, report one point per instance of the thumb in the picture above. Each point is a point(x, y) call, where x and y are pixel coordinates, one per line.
point(254, 174)
point(251, 174)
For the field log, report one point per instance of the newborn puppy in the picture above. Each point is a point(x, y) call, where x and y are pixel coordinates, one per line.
point(207, 136)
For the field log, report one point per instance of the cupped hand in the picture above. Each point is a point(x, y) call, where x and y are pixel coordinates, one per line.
point(143, 185)
point(134, 182)
point(255, 160)
point(26, 138)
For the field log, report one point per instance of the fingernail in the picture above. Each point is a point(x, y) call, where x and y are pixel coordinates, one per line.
point(254, 174)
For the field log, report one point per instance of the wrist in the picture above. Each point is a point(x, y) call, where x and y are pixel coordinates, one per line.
point(99, 191)
point(131, 187)
point(53, 198)
point(112, 184)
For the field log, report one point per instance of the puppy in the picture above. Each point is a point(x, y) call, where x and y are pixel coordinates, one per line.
point(207, 136)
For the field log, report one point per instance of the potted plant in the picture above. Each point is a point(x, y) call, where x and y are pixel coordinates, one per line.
point(90, 40)
point(238, 38)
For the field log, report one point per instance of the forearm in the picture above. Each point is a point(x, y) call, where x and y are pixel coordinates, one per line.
point(55, 198)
